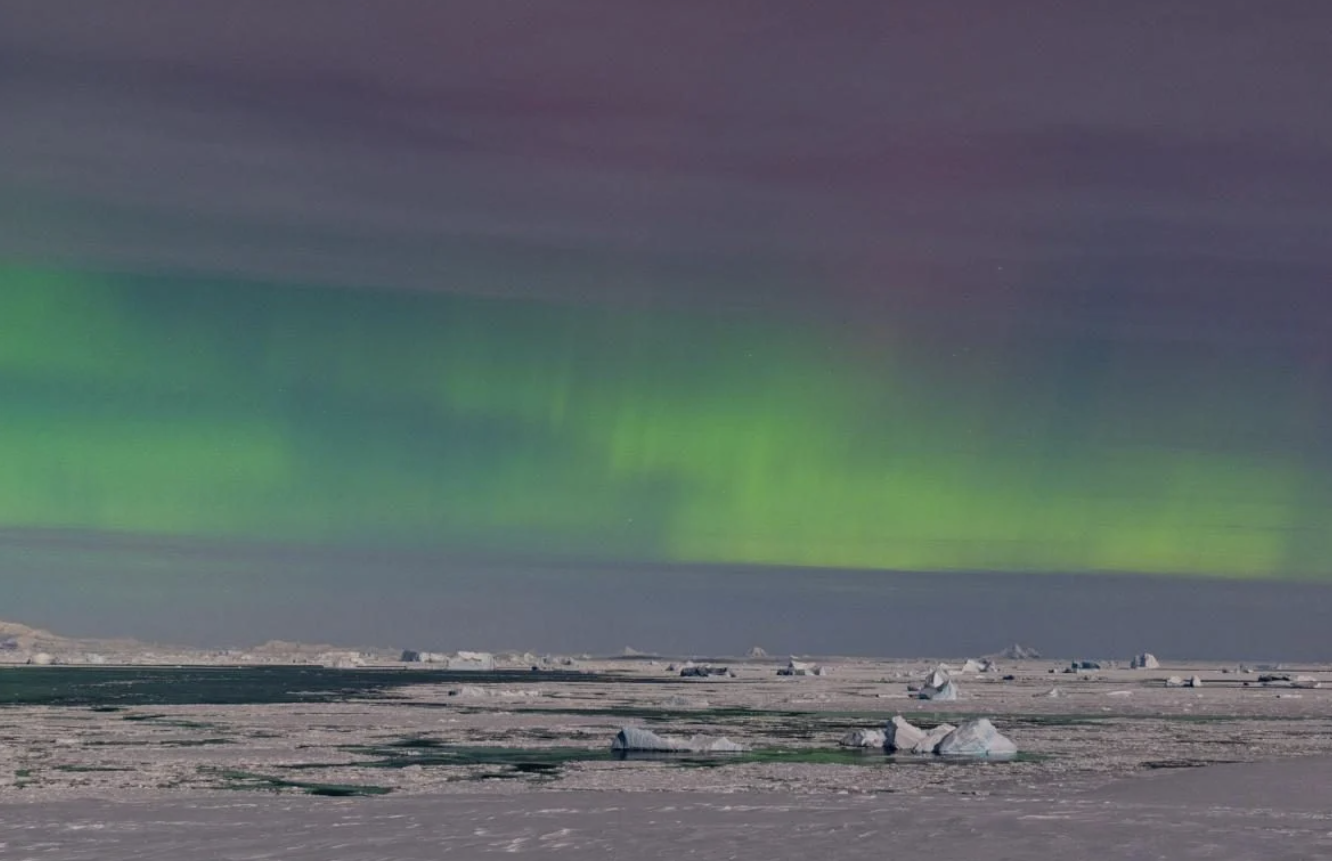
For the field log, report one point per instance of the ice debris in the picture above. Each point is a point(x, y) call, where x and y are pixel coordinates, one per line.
point(976, 738)
point(938, 686)
point(480, 661)
point(930, 743)
point(875, 738)
point(900, 734)
point(1190, 682)
point(972, 738)
point(703, 672)
point(800, 668)
point(636, 739)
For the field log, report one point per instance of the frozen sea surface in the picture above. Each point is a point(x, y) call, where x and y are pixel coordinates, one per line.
point(1273, 811)
point(1118, 767)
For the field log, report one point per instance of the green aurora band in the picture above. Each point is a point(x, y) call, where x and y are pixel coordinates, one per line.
point(187, 407)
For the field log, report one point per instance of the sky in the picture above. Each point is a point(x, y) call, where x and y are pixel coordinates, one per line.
point(863, 304)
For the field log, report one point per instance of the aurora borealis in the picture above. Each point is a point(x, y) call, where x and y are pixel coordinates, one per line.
point(221, 409)
point(817, 318)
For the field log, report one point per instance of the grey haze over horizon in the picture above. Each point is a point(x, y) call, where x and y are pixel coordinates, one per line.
point(214, 596)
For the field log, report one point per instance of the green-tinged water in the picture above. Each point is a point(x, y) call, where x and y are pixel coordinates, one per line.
point(107, 688)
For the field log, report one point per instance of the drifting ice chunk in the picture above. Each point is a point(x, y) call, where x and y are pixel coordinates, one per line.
point(976, 738)
point(482, 661)
point(899, 734)
point(945, 692)
point(930, 743)
point(864, 738)
point(341, 660)
point(704, 672)
point(1145, 661)
point(800, 668)
point(937, 678)
point(632, 738)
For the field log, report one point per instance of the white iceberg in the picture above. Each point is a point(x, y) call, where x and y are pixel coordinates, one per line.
point(976, 738)
point(930, 743)
point(900, 734)
point(1144, 661)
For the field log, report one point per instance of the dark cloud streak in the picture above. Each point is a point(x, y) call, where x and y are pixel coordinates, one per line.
point(952, 158)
